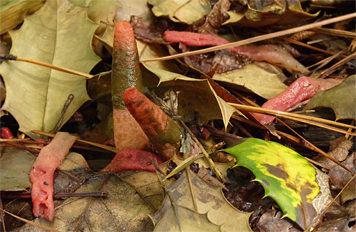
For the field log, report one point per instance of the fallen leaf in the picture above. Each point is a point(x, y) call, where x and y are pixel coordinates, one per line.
point(210, 202)
point(15, 166)
point(215, 18)
point(179, 218)
point(273, 221)
point(286, 176)
point(13, 12)
point(122, 210)
point(254, 78)
point(36, 95)
point(339, 176)
point(196, 93)
point(275, 13)
point(146, 184)
point(181, 11)
point(341, 99)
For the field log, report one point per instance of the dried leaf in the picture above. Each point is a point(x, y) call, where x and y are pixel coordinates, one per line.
point(209, 200)
point(341, 99)
point(15, 166)
point(14, 11)
point(195, 93)
point(269, 14)
point(254, 78)
point(123, 209)
point(181, 11)
point(36, 95)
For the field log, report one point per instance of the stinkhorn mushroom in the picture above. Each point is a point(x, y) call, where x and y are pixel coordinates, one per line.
point(126, 73)
point(300, 90)
point(41, 175)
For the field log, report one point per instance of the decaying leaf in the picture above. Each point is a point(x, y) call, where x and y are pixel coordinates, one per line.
point(197, 95)
point(254, 78)
point(146, 184)
point(179, 218)
point(286, 176)
point(341, 99)
point(36, 95)
point(181, 11)
point(15, 168)
point(209, 201)
point(215, 18)
point(122, 210)
point(284, 12)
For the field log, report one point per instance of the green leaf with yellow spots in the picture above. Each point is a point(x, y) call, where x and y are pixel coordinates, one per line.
point(286, 176)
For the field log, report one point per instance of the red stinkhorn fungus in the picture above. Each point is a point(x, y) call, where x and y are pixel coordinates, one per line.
point(41, 175)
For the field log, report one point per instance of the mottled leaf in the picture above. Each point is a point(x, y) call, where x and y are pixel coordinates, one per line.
point(57, 34)
point(210, 203)
point(181, 10)
point(286, 176)
point(254, 78)
point(341, 99)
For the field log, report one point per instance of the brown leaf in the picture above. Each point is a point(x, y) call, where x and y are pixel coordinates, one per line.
point(215, 18)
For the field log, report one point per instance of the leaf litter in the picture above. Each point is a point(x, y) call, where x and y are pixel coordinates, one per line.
point(198, 104)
